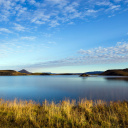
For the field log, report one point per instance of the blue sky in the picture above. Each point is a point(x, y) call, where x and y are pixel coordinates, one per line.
point(63, 35)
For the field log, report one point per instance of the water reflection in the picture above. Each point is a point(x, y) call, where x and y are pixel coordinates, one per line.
point(58, 88)
point(117, 78)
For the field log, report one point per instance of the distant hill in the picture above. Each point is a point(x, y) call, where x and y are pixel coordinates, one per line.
point(24, 71)
point(10, 73)
point(94, 72)
point(116, 72)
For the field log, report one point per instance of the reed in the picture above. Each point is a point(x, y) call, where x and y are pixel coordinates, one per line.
point(66, 114)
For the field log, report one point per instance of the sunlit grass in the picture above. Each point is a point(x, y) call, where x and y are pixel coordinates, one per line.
point(66, 114)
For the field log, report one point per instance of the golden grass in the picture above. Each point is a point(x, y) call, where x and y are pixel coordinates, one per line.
point(66, 114)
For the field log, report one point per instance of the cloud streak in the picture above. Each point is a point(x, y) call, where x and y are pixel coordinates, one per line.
point(28, 38)
point(5, 30)
point(19, 27)
point(100, 55)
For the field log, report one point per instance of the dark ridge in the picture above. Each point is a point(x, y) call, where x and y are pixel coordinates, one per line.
point(116, 72)
point(94, 72)
point(45, 73)
point(40, 73)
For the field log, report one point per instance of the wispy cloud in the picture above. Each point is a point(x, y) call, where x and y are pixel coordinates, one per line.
point(103, 3)
point(48, 35)
point(119, 50)
point(100, 55)
point(51, 42)
point(56, 12)
point(5, 30)
point(12, 47)
point(19, 27)
point(91, 12)
point(54, 23)
point(32, 1)
point(113, 8)
point(28, 38)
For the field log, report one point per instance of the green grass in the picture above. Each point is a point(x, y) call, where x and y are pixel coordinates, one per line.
point(66, 114)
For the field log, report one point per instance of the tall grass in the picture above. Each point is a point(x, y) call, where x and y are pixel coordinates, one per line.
point(66, 114)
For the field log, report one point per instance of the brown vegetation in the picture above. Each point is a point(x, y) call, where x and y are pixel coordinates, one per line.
point(66, 114)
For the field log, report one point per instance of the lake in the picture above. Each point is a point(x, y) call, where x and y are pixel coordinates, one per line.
point(56, 88)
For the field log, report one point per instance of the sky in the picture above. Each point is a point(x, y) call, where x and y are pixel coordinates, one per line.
point(63, 36)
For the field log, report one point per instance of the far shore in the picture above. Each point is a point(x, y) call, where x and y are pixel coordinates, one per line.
point(114, 72)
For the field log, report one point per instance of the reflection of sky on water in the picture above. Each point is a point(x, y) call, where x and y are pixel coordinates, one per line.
point(58, 88)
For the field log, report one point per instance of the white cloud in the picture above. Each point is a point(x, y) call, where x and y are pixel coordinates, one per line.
point(51, 42)
point(28, 38)
point(5, 30)
point(32, 1)
point(56, 12)
point(103, 3)
point(48, 35)
point(19, 27)
point(71, 23)
point(71, 8)
point(121, 49)
point(100, 55)
point(20, 10)
point(114, 7)
point(71, 11)
point(54, 23)
point(39, 17)
point(91, 12)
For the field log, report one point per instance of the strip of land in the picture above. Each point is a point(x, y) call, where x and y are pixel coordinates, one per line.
point(117, 72)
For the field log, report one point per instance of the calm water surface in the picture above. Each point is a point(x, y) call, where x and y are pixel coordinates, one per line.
point(39, 88)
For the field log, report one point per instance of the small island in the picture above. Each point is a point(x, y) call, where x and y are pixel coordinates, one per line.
point(84, 75)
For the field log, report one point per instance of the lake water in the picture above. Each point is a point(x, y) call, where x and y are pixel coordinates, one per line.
point(56, 88)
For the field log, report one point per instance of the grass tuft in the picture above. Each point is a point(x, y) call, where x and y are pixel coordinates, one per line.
point(66, 114)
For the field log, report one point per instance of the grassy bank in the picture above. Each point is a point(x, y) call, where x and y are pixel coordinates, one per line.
point(66, 114)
